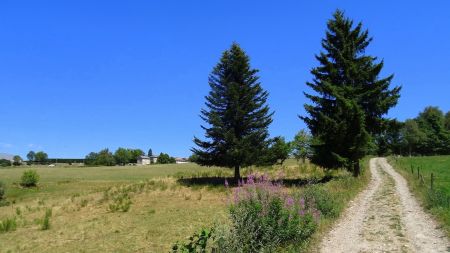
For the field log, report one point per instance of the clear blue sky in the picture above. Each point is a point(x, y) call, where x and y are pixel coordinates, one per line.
point(78, 76)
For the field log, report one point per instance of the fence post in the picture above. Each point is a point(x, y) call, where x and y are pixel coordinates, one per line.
point(418, 175)
point(432, 179)
point(412, 169)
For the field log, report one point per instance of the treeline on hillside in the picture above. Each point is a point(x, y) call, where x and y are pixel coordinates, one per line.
point(427, 134)
point(121, 156)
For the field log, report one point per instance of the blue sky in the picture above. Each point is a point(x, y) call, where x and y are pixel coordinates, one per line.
point(78, 76)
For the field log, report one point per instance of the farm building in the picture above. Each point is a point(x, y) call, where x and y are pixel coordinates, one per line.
point(146, 160)
point(181, 160)
point(143, 160)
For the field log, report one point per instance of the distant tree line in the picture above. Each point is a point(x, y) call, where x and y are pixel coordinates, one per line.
point(121, 156)
point(39, 157)
point(164, 158)
point(427, 134)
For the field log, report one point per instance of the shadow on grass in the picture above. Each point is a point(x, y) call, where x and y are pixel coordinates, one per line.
point(220, 181)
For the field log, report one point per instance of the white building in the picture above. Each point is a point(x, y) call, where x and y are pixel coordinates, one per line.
point(181, 160)
point(143, 160)
point(146, 160)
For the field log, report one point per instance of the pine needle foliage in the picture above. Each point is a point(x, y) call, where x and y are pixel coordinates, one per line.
point(236, 114)
point(350, 99)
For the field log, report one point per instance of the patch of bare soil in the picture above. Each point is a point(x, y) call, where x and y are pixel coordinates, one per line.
point(385, 218)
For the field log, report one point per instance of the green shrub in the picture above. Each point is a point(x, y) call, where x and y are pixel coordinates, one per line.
point(8, 224)
point(197, 243)
point(322, 200)
point(29, 178)
point(2, 190)
point(121, 202)
point(264, 219)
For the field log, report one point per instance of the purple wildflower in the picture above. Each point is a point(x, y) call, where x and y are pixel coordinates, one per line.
point(289, 202)
point(302, 203)
point(226, 183)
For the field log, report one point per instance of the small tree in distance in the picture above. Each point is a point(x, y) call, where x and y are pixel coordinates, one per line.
point(301, 145)
point(134, 154)
point(31, 156)
point(41, 157)
point(165, 158)
point(122, 156)
point(17, 160)
point(150, 152)
point(278, 151)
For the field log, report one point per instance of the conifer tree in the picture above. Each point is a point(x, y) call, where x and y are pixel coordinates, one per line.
point(351, 100)
point(237, 115)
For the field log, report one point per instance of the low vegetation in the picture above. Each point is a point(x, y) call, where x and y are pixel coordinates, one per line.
point(2, 191)
point(7, 225)
point(30, 178)
point(45, 224)
point(418, 170)
point(5, 163)
point(266, 216)
point(103, 207)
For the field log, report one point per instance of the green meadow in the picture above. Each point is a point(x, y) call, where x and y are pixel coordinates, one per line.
point(162, 204)
point(436, 200)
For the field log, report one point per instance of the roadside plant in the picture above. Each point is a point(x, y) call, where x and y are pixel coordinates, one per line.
point(30, 178)
point(322, 200)
point(196, 243)
point(265, 218)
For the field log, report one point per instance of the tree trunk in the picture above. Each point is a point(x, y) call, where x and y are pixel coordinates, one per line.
point(356, 168)
point(237, 174)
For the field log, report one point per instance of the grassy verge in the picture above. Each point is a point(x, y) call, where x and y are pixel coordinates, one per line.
point(417, 171)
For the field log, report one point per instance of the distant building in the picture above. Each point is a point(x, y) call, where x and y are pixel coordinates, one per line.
point(146, 160)
point(143, 160)
point(181, 160)
point(153, 159)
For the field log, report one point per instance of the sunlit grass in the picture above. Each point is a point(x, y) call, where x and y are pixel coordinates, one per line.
point(439, 204)
point(161, 210)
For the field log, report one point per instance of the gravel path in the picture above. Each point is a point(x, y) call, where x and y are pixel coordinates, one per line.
point(385, 217)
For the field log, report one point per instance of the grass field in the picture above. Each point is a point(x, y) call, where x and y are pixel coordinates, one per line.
point(162, 209)
point(437, 201)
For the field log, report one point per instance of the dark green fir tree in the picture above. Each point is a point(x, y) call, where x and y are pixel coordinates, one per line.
point(237, 115)
point(350, 99)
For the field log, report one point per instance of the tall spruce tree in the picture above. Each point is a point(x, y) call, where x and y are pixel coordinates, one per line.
point(351, 100)
point(237, 115)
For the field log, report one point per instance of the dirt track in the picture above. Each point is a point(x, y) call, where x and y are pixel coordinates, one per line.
point(385, 218)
